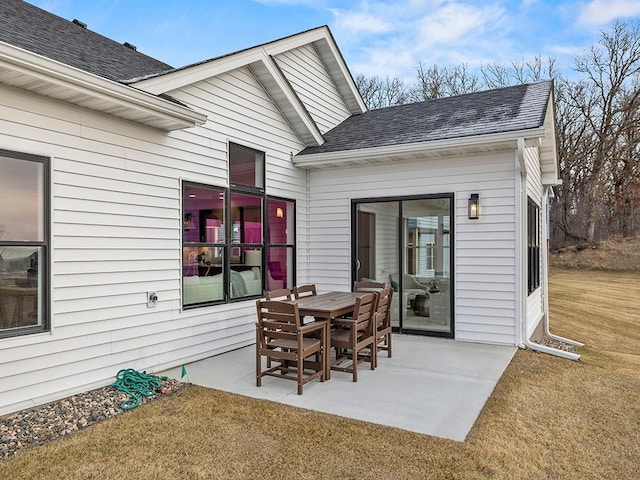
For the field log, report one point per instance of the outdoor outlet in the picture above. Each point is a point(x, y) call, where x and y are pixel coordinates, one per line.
point(152, 299)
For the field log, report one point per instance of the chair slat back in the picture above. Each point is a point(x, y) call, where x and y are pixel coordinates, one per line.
point(278, 294)
point(367, 286)
point(363, 311)
point(305, 291)
point(276, 316)
point(382, 314)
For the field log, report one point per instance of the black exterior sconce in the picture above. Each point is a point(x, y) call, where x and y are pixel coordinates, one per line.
point(474, 207)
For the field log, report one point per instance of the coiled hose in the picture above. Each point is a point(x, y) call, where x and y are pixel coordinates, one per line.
point(137, 385)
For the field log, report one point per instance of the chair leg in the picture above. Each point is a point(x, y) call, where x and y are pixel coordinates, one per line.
point(374, 354)
point(354, 365)
point(389, 345)
point(258, 360)
point(300, 365)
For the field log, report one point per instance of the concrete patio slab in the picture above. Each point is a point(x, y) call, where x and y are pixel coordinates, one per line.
point(431, 386)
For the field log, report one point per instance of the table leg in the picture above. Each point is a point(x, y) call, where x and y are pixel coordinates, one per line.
point(327, 354)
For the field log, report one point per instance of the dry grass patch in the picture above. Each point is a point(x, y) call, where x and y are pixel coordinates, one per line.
point(618, 254)
point(547, 418)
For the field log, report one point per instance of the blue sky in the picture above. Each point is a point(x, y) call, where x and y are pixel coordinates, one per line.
point(383, 37)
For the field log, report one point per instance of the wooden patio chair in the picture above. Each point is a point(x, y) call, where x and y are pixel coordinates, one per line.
point(382, 322)
point(367, 286)
point(305, 291)
point(281, 338)
point(278, 294)
point(351, 335)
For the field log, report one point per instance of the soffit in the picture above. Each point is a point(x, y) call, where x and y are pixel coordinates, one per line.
point(35, 73)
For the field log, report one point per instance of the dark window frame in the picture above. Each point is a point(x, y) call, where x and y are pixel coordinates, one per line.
point(43, 245)
point(533, 246)
point(227, 242)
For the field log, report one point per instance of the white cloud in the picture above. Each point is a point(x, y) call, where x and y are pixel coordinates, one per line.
point(454, 22)
point(391, 38)
point(360, 22)
point(599, 12)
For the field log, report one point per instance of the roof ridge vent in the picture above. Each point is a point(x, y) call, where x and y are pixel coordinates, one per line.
point(79, 23)
point(130, 45)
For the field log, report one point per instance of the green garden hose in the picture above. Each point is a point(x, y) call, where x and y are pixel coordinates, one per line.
point(136, 385)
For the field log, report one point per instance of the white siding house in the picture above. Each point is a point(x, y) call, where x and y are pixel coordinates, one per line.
point(118, 151)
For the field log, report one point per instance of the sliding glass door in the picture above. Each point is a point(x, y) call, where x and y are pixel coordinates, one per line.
point(406, 243)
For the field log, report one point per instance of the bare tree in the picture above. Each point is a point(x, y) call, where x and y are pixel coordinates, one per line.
point(611, 70)
point(438, 82)
point(378, 92)
point(497, 75)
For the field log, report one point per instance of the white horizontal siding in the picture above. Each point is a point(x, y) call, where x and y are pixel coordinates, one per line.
point(307, 74)
point(484, 249)
point(116, 230)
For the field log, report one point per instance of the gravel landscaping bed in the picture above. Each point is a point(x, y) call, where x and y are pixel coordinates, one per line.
point(557, 344)
point(38, 425)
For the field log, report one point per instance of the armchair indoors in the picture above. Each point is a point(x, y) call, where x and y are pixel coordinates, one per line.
point(410, 287)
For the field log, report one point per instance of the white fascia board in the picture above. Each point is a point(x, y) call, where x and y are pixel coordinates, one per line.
point(292, 97)
point(322, 37)
point(188, 75)
point(191, 74)
point(379, 153)
point(73, 79)
point(341, 74)
point(548, 144)
point(196, 73)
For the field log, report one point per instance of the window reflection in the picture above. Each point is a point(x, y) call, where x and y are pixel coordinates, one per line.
point(23, 227)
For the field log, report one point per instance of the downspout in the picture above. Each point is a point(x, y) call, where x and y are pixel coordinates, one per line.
point(545, 284)
point(521, 300)
point(308, 227)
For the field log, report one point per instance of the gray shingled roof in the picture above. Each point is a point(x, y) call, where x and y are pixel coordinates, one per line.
point(481, 113)
point(33, 29)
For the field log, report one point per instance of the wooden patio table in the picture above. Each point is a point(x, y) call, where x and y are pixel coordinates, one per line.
point(324, 307)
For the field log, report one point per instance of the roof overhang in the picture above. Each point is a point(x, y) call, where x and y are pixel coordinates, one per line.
point(549, 147)
point(260, 60)
point(265, 70)
point(479, 144)
point(29, 71)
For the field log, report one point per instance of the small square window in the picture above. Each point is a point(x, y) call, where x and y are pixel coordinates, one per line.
point(246, 166)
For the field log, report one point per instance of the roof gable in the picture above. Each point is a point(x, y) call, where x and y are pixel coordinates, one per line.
point(41, 32)
point(262, 63)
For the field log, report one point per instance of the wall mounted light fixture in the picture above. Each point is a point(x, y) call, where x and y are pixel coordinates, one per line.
point(279, 212)
point(474, 206)
point(188, 222)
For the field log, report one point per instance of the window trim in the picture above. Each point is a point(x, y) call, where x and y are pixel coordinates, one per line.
point(240, 187)
point(533, 246)
point(44, 244)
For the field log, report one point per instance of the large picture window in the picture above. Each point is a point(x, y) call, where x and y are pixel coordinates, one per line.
point(533, 245)
point(24, 237)
point(237, 242)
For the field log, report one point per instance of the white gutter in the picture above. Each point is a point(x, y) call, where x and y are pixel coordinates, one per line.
point(521, 234)
point(315, 160)
point(73, 84)
point(545, 285)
